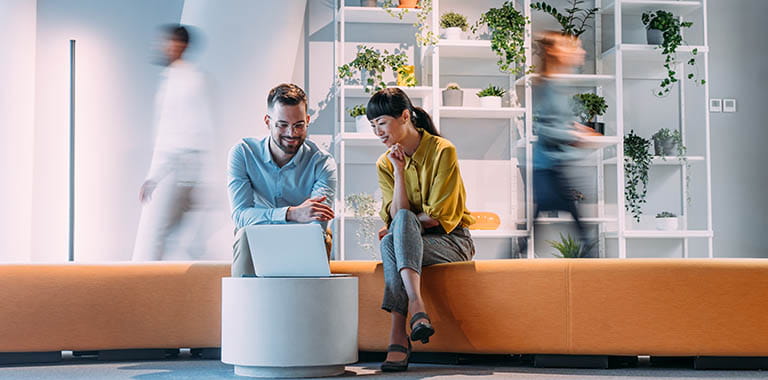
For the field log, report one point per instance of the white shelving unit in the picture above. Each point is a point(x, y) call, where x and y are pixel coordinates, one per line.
point(614, 65)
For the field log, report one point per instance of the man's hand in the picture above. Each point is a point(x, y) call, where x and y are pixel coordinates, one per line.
point(427, 221)
point(383, 232)
point(313, 209)
point(145, 192)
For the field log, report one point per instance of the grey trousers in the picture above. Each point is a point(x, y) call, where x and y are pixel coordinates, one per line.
point(406, 246)
point(242, 262)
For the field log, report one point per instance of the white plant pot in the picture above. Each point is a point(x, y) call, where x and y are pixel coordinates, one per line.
point(666, 224)
point(490, 102)
point(363, 125)
point(453, 34)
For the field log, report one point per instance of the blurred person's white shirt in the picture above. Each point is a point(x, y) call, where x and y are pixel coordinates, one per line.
point(183, 134)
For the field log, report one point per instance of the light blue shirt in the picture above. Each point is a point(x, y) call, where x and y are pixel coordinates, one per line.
point(260, 192)
point(553, 123)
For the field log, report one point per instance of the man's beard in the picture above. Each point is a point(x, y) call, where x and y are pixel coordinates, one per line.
point(287, 148)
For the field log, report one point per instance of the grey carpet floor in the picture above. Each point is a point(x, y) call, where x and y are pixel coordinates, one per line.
point(184, 368)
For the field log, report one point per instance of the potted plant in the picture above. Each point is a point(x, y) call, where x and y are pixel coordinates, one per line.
point(567, 247)
point(665, 141)
point(588, 107)
point(363, 206)
point(663, 29)
point(574, 21)
point(424, 35)
point(666, 221)
point(362, 124)
point(453, 23)
point(507, 28)
point(637, 162)
point(371, 63)
point(453, 95)
point(490, 97)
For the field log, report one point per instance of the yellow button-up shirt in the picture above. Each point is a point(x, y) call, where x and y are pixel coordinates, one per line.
point(432, 181)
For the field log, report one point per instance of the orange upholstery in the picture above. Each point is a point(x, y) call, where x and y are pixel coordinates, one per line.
point(614, 307)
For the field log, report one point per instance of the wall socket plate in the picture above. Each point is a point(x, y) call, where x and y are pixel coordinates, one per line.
point(715, 105)
point(729, 105)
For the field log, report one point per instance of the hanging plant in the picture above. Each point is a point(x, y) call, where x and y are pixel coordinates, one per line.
point(374, 63)
point(574, 21)
point(507, 28)
point(637, 162)
point(424, 34)
point(670, 27)
point(363, 207)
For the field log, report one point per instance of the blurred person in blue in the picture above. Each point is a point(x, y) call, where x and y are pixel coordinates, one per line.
point(281, 178)
point(560, 137)
point(183, 132)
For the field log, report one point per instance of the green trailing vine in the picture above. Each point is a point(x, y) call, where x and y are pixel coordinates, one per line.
point(574, 21)
point(363, 206)
point(424, 34)
point(375, 63)
point(507, 28)
point(637, 162)
point(671, 27)
point(358, 110)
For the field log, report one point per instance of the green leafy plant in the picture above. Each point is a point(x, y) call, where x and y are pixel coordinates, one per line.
point(358, 110)
point(491, 90)
point(567, 247)
point(424, 34)
point(588, 106)
point(507, 28)
point(676, 138)
point(375, 63)
point(452, 86)
point(453, 20)
point(671, 27)
point(574, 21)
point(637, 162)
point(363, 206)
point(666, 214)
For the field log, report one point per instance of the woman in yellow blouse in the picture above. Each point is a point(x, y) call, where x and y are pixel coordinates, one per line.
point(424, 209)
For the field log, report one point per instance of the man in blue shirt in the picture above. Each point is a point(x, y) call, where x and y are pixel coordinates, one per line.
point(282, 178)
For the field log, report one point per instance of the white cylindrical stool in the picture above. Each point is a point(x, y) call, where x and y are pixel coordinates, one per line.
point(289, 327)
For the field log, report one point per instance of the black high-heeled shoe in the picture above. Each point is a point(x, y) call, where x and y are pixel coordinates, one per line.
point(400, 365)
point(422, 330)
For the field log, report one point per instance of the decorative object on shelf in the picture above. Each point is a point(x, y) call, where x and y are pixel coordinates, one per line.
point(372, 65)
point(588, 107)
point(507, 28)
point(453, 23)
point(424, 34)
point(364, 207)
point(368, 3)
point(567, 247)
point(669, 26)
point(453, 95)
point(490, 97)
point(485, 220)
point(637, 162)
point(666, 221)
point(668, 143)
point(665, 141)
point(362, 124)
point(406, 76)
point(574, 22)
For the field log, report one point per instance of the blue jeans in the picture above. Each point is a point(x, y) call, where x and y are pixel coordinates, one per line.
point(408, 246)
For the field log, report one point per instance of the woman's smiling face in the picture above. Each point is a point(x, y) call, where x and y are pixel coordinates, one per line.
point(390, 130)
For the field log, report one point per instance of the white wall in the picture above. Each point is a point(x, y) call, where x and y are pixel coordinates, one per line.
point(17, 75)
point(115, 89)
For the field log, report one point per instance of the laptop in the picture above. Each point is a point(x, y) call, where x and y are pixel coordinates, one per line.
point(288, 250)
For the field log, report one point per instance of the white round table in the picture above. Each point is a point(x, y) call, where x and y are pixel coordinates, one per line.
point(289, 327)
